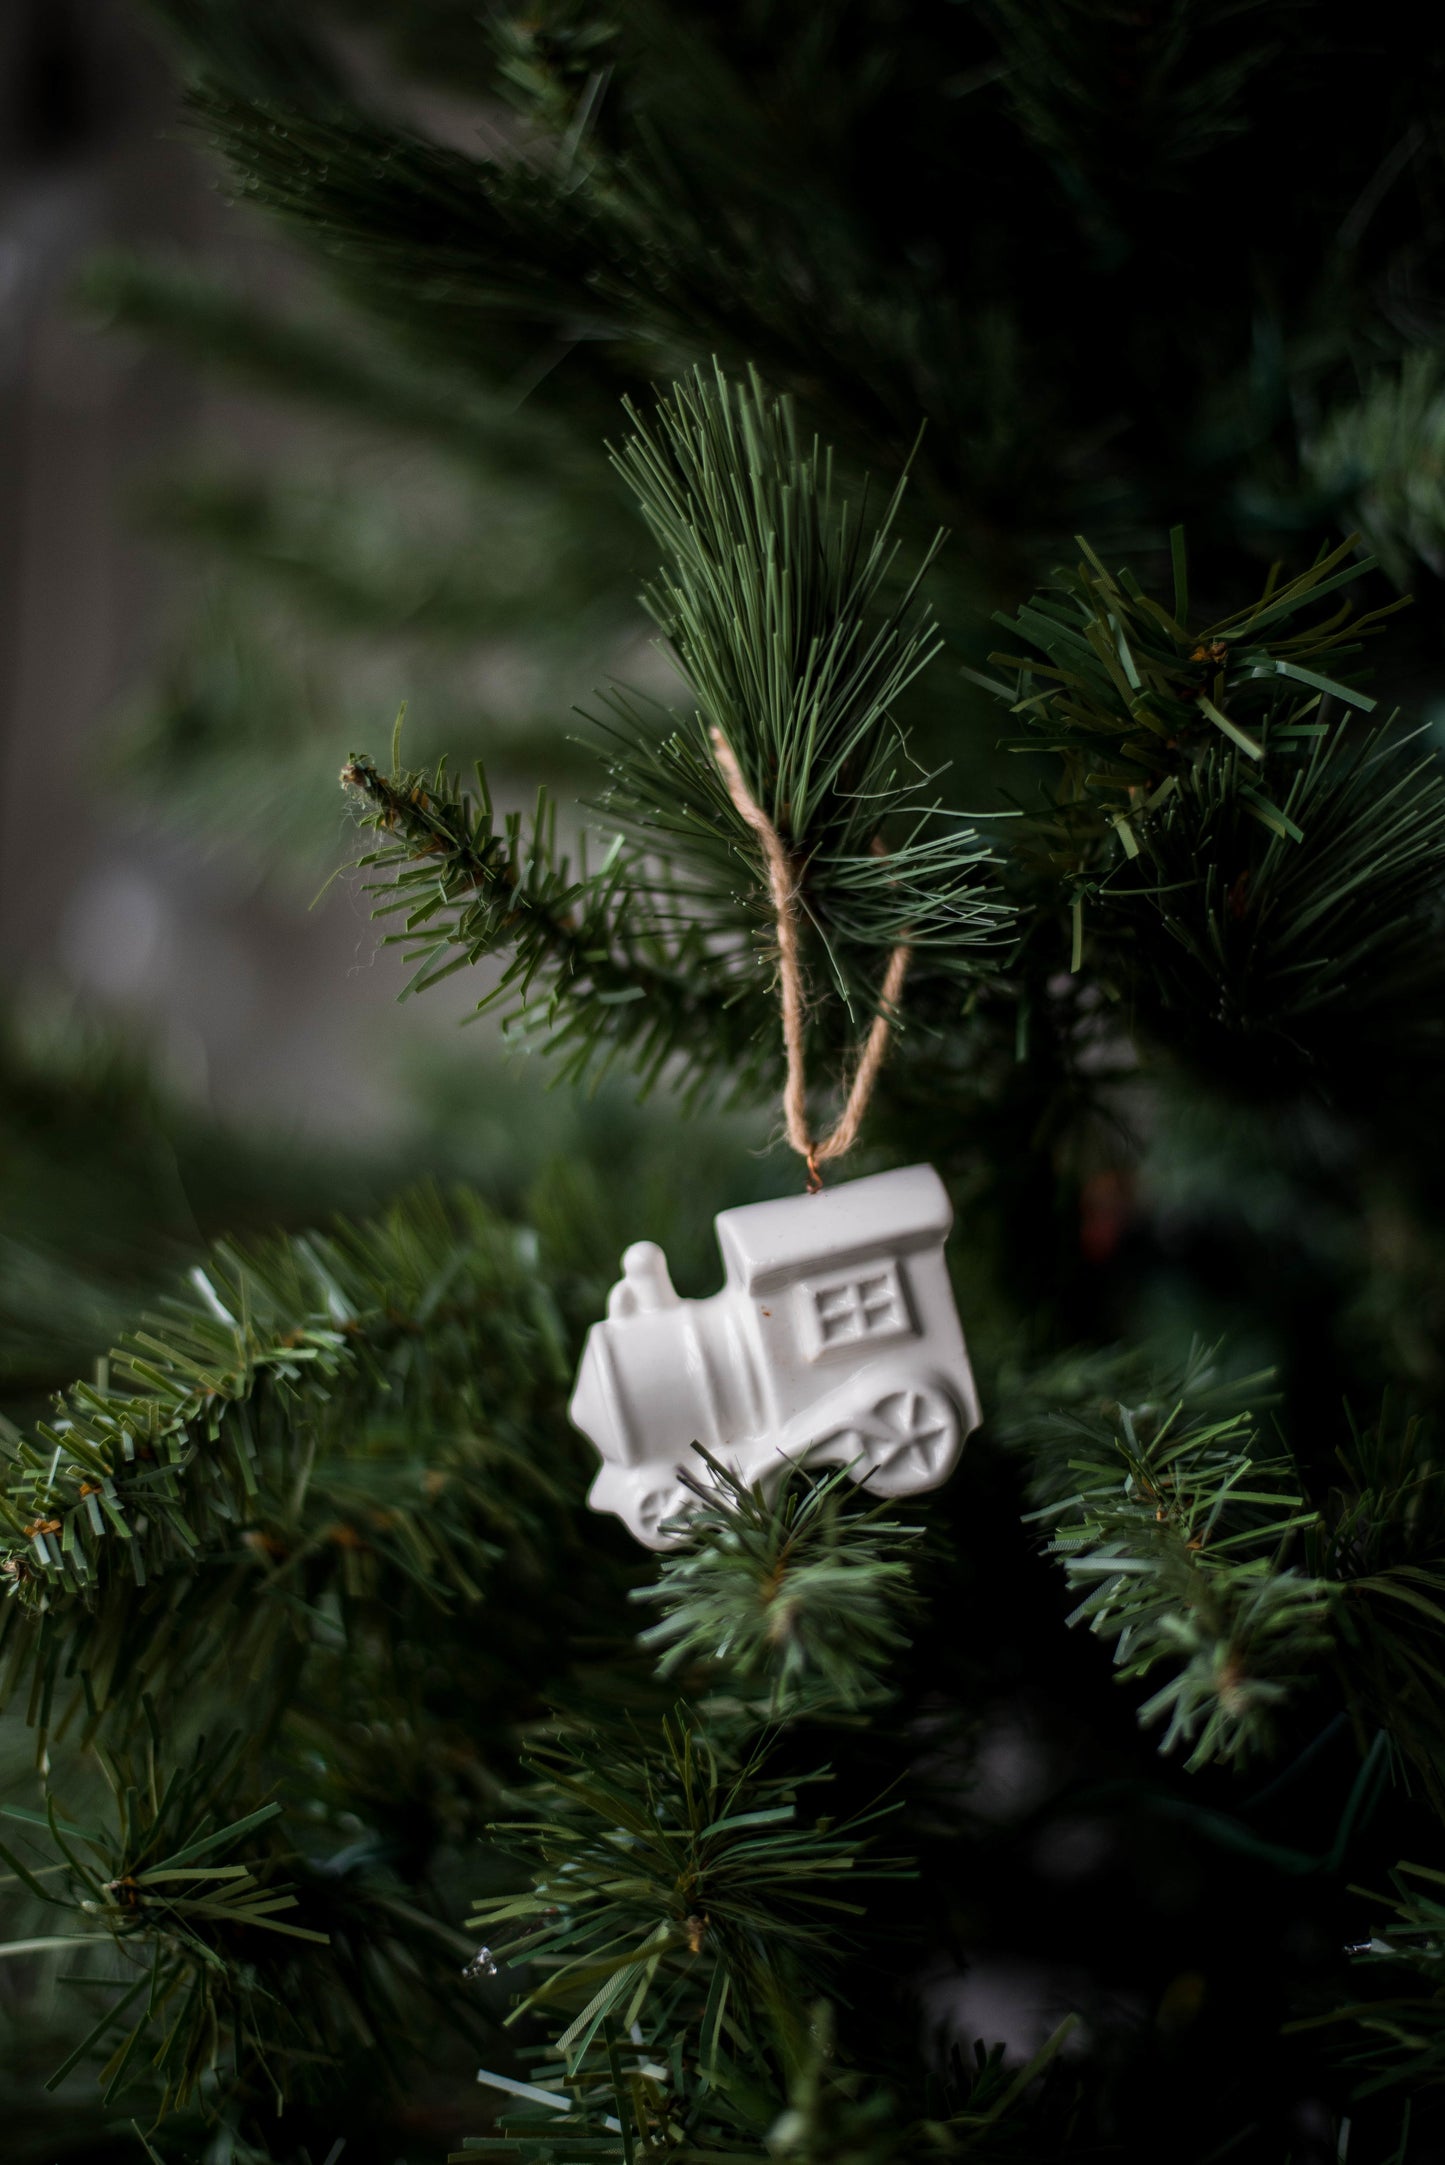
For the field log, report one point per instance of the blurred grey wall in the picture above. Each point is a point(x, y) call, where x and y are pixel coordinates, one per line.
point(246, 1001)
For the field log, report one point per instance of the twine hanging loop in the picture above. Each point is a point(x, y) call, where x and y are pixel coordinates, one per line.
point(783, 890)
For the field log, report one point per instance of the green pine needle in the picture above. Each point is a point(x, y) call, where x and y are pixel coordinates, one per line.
point(1175, 1524)
point(171, 1927)
point(317, 1418)
point(787, 613)
point(1397, 2015)
point(678, 1888)
point(1129, 698)
point(803, 1597)
point(597, 969)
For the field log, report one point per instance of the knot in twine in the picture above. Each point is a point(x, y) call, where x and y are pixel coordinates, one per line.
point(783, 889)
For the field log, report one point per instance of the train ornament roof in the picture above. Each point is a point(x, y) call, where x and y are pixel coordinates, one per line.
point(764, 1244)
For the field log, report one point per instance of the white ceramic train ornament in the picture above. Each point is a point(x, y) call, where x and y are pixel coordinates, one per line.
point(834, 1342)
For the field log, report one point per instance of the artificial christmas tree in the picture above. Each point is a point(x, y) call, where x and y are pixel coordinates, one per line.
point(1089, 1806)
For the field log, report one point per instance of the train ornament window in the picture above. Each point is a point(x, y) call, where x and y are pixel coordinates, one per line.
point(841, 1311)
point(834, 1342)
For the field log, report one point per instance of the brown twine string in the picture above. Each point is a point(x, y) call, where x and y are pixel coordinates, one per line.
point(783, 887)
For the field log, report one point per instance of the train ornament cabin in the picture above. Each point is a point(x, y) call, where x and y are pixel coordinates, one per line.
point(834, 1342)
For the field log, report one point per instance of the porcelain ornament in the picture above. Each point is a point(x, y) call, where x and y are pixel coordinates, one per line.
point(834, 1342)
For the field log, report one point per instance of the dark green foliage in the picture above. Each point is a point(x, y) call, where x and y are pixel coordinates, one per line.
point(1400, 1972)
point(1177, 1529)
point(802, 1598)
point(201, 1939)
point(593, 968)
point(688, 1890)
point(1381, 455)
point(327, 1440)
point(318, 1416)
point(775, 600)
point(165, 1894)
point(1259, 878)
point(599, 238)
point(775, 608)
point(1130, 696)
point(1309, 952)
point(1171, 1029)
point(525, 245)
point(1252, 1576)
point(775, 186)
point(1382, 1537)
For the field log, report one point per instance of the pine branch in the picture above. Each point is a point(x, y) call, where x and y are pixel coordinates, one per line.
point(1376, 463)
point(1381, 1538)
point(442, 245)
point(789, 619)
point(344, 1412)
point(773, 598)
point(1399, 2016)
point(679, 1890)
point(1200, 1551)
point(1175, 1524)
point(606, 251)
point(170, 1917)
point(226, 1982)
point(1130, 697)
point(1253, 875)
point(596, 969)
point(804, 1596)
point(778, 612)
point(677, 185)
point(1299, 935)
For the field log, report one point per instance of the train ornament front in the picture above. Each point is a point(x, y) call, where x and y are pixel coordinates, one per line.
point(834, 1342)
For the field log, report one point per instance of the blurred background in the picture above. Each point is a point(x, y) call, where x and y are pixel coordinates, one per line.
point(208, 595)
point(145, 885)
point(109, 908)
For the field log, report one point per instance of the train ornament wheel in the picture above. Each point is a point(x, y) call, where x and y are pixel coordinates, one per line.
point(904, 1441)
point(658, 1505)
